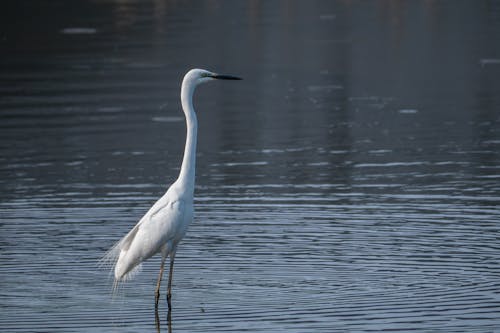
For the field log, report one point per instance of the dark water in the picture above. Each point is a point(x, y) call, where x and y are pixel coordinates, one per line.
point(350, 183)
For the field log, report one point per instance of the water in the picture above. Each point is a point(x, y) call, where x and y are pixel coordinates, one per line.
point(350, 183)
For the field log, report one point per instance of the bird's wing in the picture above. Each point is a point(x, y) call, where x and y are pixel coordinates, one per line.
point(111, 257)
point(148, 224)
point(159, 230)
point(162, 224)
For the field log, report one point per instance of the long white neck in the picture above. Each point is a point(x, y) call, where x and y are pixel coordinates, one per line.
point(187, 174)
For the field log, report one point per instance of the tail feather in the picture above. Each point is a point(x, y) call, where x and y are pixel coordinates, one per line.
point(111, 257)
point(110, 260)
point(117, 283)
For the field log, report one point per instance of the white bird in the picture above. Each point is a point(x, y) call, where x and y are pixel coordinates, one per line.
point(165, 224)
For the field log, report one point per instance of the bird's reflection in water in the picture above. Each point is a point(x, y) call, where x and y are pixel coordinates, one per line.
point(158, 321)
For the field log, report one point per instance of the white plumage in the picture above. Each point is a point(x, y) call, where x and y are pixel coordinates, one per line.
point(165, 224)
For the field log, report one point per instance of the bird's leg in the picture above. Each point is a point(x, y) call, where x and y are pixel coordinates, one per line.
point(157, 322)
point(171, 273)
point(157, 293)
point(169, 321)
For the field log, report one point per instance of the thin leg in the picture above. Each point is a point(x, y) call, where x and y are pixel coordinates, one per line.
point(169, 321)
point(171, 273)
point(157, 293)
point(157, 322)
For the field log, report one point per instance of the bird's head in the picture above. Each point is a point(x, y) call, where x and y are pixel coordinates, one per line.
point(196, 76)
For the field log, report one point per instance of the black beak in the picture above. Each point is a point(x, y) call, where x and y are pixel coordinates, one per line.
point(226, 77)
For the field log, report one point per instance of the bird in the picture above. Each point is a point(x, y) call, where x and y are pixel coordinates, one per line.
point(164, 225)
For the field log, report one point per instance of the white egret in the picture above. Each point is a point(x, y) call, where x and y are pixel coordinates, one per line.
point(165, 224)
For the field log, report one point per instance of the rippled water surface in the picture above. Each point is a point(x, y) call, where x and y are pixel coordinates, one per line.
point(351, 182)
